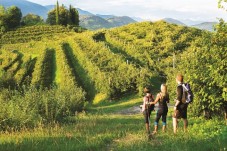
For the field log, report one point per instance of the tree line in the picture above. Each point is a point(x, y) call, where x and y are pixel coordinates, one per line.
point(12, 17)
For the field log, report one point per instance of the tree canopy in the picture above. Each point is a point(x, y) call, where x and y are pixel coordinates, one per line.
point(31, 19)
point(62, 16)
point(9, 18)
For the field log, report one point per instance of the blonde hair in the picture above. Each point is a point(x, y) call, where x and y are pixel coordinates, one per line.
point(163, 91)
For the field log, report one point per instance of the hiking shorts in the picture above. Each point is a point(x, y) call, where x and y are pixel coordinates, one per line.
point(147, 114)
point(181, 112)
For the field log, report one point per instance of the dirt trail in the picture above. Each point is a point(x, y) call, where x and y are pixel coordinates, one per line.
point(135, 110)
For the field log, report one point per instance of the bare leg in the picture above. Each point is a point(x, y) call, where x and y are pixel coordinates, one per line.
point(185, 125)
point(147, 128)
point(175, 125)
point(155, 129)
point(164, 128)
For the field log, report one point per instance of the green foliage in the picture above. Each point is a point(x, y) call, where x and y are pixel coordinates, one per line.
point(116, 76)
point(205, 67)
point(151, 43)
point(99, 36)
point(37, 33)
point(62, 16)
point(10, 18)
point(31, 19)
point(51, 17)
point(47, 69)
point(221, 4)
point(40, 71)
point(73, 16)
point(24, 74)
point(37, 107)
point(77, 67)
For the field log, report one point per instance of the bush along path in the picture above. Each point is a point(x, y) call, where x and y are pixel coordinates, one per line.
point(104, 127)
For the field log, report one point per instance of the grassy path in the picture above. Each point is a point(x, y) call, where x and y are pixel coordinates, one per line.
point(103, 127)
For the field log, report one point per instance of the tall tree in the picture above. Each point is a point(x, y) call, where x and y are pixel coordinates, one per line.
point(57, 13)
point(73, 16)
point(62, 18)
point(63, 15)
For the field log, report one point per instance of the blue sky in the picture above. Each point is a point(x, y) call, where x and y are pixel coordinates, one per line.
point(202, 10)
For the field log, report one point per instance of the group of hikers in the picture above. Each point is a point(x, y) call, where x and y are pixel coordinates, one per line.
point(180, 107)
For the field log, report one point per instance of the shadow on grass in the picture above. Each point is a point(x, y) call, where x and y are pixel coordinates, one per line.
point(79, 72)
point(128, 57)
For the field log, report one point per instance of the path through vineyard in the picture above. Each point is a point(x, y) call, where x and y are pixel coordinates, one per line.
point(58, 73)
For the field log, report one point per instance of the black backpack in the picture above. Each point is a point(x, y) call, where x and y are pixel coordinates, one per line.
point(187, 93)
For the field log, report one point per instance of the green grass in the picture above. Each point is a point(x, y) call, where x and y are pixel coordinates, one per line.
point(111, 106)
point(101, 128)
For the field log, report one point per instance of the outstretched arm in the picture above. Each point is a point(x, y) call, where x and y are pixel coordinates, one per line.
point(156, 100)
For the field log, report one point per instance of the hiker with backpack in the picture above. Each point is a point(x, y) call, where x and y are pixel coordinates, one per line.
point(184, 97)
point(147, 108)
point(163, 99)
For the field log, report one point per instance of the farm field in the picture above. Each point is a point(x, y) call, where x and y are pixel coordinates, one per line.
point(62, 90)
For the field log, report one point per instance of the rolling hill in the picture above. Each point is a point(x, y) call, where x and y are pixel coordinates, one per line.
point(173, 21)
point(120, 21)
point(206, 26)
point(105, 16)
point(93, 22)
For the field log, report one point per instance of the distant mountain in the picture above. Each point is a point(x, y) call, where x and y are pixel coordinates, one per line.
point(206, 26)
point(87, 19)
point(26, 7)
point(120, 21)
point(190, 22)
point(173, 21)
point(98, 21)
point(138, 19)
point(93, 22)
point(105, 16)
point(83, 12)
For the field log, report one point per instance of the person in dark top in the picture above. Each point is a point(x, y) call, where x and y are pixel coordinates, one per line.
point(147, 108)
point(162, 98)
point(180, 108)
